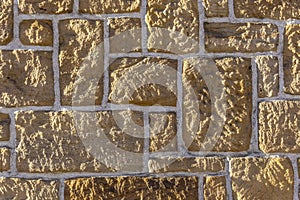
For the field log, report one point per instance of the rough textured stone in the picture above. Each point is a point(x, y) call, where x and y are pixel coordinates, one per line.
point(15, 188)
point(163, 128)
point(262, 178)
point(143, 81)
point(216, 8)
point(234, 75)
point(78, 40)
point(132, 188)
point(173, 26)
point(268, 76)
point(36, 32)
point(273, 9)
point(291, 59)
point(4, 160)
point(215, 188)
point(4, 127)
point(26, 78)
point(109, 6)
point(125, 35)
point(279, 126)
point(192, 165)
point(45, 6)
point(6, 21)
point(240, 37)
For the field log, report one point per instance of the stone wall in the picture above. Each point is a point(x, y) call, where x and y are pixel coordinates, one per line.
point(149, 99)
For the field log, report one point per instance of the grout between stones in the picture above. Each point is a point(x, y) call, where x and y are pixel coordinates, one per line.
point(13, 144)
point(55, 63)
point(144, 26)
point(61, 191)
point(146, 141)
point(228, 179)
point(294, 160)
point(200, 187)
point(106, 64)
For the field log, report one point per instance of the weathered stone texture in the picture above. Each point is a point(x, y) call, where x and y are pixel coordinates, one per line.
point(132, 188)
point(216, 8)
point(215, 188)
point(262, 178)
point(291, 59)
point(6, 21)
point(15, 188)
point(279, 126)
point(26, 78)
point(4, 127)
point(81, 59)
point(109, 6)
point(268, 76)
point(36, 32)
point(143, 81)
point(273, 9)
point(229, 130)
point(45, 6)
point(163, 128)
point(240, 37)
point(4, 159)
point(173, 26)
point(192, 165)
point(125, 35)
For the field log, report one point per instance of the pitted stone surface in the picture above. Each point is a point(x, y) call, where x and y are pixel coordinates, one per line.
point(4, 159)
point(6, 21)
point(4, 127)
point(216, 8)
point(215, 188)
point(45, 6)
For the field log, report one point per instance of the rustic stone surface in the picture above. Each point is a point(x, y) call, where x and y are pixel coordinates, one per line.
point(26, 78)
point(273, 9)
point(291, 59)
point(173, 26)
point(4, 159)
point(215, 188)
point(163, 128)
point(279, 126)
point(79, 38)
point(240, 37)
point(16, 188)
point(192, 165)
point(125, 35)
point(262, 178)
point(6, 21)
point(268, 76)
point(36, 32)
point(132, 188)
point(216, 8)
point(45, 6)
point(4, 127)
point(109, 6)
point(234, 75)
point(143, 81)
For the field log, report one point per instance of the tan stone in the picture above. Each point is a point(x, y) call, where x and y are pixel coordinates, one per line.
point(109, 6)
point(291, 59)
point(4, 127)
point(268, 76)
point(240, 37)
point(279, 126)
point(36, 32)
point(262, 178)
point(173, 26)
point(81, 61)
point(229, 130)
point(191, 165)
point(143, 81)
point(132, 188)
point(215, 188)
point(125, 35)
point(6, 21)
point(16, 188)
point(45, 6)
point(26, 78)
point(216, 8)
point(273, 9)
point(4, 160)
point(163, 129)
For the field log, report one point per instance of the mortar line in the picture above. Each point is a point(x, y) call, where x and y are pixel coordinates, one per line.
point(61, 191)
point(55, 61)
point(201, 27)
point(16, 23)
point(228, 178)
point(106, 64)
point(146, 141)
point(280, 59)
point(231, 14)
point(13, 138)
point(201, 187)
point(75, 7)
point(144, 32)
point(296, 176)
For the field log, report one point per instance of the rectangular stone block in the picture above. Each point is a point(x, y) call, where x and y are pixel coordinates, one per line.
point(4, 127)
point(216, 8)
point(132, 188)
point(215, 188)
point(240, 37)
point(45, 6)
point(26, 78)
point(4, 159)
point(6, 21)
